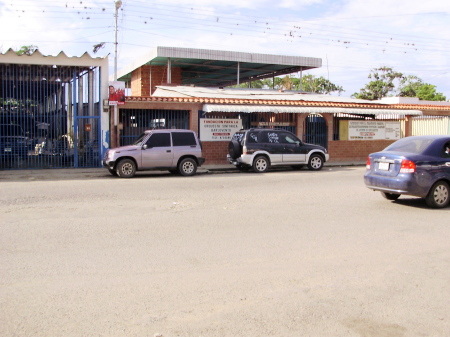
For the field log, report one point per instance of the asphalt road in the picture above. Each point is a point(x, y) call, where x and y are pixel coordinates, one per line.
point(285, 253)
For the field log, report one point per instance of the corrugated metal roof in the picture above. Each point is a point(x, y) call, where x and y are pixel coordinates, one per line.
point(206, 67)
point(61, 59)
point(305, 109)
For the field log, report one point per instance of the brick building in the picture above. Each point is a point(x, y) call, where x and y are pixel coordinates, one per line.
point(180, 88)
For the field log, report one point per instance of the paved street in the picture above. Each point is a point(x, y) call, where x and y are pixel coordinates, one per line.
point(284, 253)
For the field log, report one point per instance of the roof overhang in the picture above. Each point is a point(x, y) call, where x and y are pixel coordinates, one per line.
point(204, 67)
point(306, 109)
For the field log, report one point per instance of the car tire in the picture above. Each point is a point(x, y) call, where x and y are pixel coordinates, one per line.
point(113, 172)
point(438, 197)
point(126, 168)
point(261, 164)
point(187, 167)
point(315, 162)
point(234, 149)
point(390, 196)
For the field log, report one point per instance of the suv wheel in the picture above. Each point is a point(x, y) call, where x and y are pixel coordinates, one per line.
point(113, 172)
point(126, 168)
point(261, 164)
point(187, 167)
point(315, 162)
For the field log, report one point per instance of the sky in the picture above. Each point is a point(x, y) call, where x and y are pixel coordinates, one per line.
point(352, 37)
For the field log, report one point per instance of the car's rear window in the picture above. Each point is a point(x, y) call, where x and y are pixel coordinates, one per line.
point(411, 145)
point(238, 136)
point(183, 139)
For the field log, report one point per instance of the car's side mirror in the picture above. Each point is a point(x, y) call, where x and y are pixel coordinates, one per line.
point(144, 147)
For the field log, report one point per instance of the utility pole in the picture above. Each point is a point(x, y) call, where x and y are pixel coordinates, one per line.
point(116, 15)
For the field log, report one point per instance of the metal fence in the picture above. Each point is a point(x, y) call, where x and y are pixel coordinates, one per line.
point(135, 121)
point(430, 125)
point(49, 116)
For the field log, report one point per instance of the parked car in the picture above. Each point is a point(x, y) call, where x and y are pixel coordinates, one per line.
point(417, 166)
point(178, 151)
point(13, 142)
point(262, 148)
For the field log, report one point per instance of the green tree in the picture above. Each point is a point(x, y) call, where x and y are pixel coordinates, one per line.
point(319, 85)
point(27, 50)
point(412, 86)
point(409, 85)
point(427, 92)
point(382, 84)
point(310, 83)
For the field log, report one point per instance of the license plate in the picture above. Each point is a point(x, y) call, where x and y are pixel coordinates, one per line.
point(383, 166)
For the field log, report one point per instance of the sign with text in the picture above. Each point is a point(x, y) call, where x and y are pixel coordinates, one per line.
point(217, 129)
point(373, 130)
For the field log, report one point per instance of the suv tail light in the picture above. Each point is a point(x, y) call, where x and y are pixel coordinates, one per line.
point(407, 166)
point(368, 163)
point(244, 150)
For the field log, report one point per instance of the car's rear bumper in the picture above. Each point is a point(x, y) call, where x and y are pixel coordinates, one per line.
point(401, 184)
point(242, 160)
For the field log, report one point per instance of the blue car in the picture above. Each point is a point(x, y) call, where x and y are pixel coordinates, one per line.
point(418, 166)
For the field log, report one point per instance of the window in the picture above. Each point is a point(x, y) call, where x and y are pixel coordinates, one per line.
point(183, 139)
point(159, 140)
point(252, 137)
point(287, 138)
point(274, 137)
point(446, 150)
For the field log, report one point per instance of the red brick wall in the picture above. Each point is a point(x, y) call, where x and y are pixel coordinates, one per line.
point(340, 151)
point(215, 152)
point(356, 150)
point(144, 77)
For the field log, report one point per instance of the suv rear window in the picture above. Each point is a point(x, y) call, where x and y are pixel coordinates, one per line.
point(238, 136)
point(183, 139)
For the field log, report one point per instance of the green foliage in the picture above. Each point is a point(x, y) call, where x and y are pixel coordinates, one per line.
point(408, 86)
point(310, 83)
point(27, 50)
point(382, 84)
point(319, 85)
point(427, 92)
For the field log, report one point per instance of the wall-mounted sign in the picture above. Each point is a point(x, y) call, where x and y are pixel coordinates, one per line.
point(215, 129)
point(272, 124)
point(116, 93)
point(373, 130)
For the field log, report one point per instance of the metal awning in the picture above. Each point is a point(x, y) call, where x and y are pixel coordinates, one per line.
point(218, 68)
point(305, 109)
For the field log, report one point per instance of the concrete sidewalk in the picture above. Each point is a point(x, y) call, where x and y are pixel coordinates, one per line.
point(100, 172)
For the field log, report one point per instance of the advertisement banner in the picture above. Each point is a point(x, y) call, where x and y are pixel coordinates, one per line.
point(116, 93)
point(212, 129)
point(373, 130)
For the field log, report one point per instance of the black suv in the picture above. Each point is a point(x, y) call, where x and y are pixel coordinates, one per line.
point(262, 148)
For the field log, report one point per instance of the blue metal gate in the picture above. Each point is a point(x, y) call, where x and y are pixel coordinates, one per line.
point(315, 130)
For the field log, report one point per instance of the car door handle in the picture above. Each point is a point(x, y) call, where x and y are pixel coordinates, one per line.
point(168, 151)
